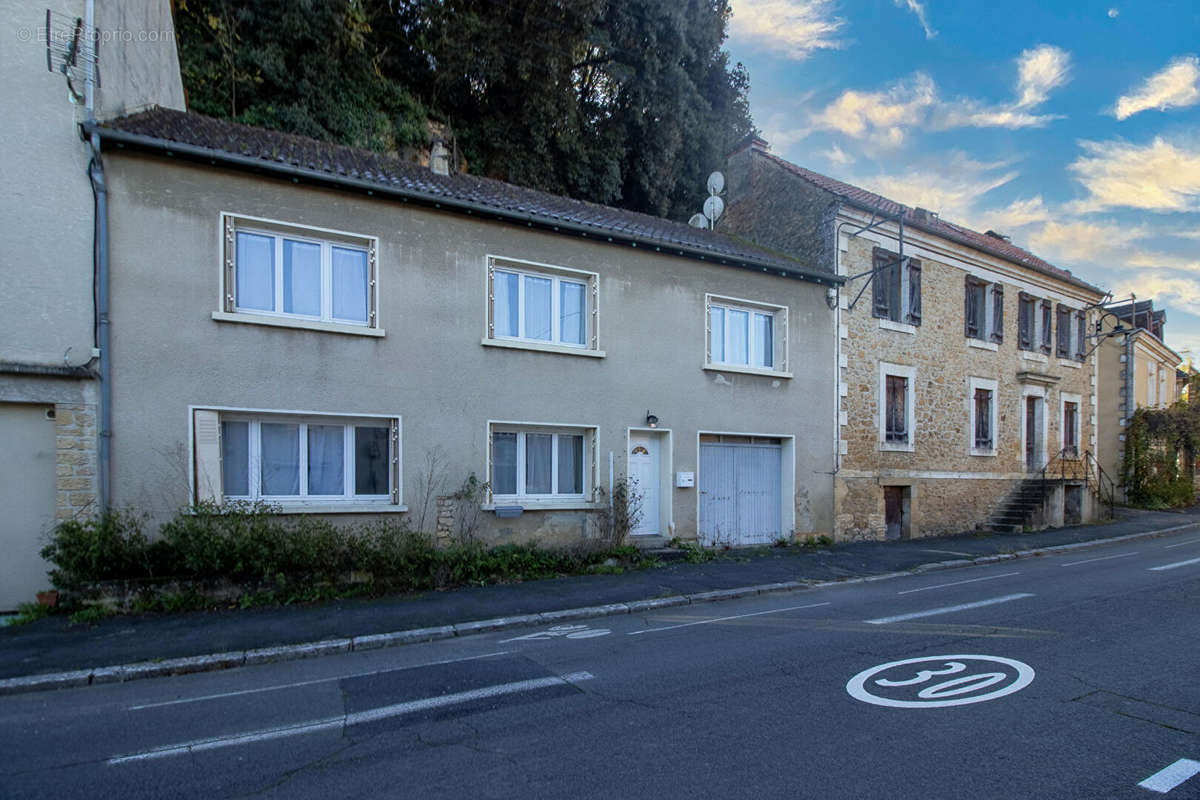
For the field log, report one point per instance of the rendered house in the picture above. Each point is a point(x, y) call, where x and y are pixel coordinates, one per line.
point(1134, 363)
point(312, 325)
point(50, 392)
point(963, 363)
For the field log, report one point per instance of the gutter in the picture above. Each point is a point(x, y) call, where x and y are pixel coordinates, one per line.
point(471, 208)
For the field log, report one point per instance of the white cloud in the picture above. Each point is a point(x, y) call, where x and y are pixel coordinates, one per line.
point(1040, 71)
point(1113, 13)
point(1161, 176)
point(885, 116)
point(950, 187)
point(1073, 241)
point(1177, 85)
point(919, 9)
point(1016, 214)
point(1170, 288)
point(836, 155)
point(795, 28)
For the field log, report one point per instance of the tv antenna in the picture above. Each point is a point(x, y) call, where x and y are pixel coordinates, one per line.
point(714, 206)
point(70, 47)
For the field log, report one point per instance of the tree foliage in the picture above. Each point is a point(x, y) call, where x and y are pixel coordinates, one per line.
point(1160, 450)
point(622, 102)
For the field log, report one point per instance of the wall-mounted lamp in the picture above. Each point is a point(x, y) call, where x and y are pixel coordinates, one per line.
point(651, 420)
point(831, 297)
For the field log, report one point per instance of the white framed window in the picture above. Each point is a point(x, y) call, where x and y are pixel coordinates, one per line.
point(897, 406)
point(896, 288)
point(983, 310)
point(745, 336)
point(1070, 415)
point(297, 459)
point(982, 402)
point(538, 464)
point(542, 307)
point(284, 274)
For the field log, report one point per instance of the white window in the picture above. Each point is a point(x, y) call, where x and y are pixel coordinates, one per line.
point(982, 401)
point(541, 463)
point(297, 459)
point(541, 307)
point(744, 335)
point(307, 275)
point(897, 406)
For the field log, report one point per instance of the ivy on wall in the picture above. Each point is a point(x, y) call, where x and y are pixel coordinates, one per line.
point(1160, 451)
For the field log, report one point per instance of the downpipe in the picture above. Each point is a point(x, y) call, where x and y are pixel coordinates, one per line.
point(100, 255)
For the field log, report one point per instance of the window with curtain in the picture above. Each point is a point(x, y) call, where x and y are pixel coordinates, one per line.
point(298, 273)
point(539, 463)
point(287, 459)
point(545, 308)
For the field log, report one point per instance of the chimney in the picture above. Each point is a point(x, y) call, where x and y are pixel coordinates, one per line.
point(997, 235)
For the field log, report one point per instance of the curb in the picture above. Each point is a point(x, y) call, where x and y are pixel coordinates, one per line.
point(265, 655)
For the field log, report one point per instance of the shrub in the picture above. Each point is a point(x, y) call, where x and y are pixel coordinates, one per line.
point(109, 546)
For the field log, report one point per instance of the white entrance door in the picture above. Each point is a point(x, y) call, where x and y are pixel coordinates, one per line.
point(644, 464)
point(740, 488)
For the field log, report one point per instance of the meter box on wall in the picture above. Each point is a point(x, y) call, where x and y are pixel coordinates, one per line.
point(685, 480)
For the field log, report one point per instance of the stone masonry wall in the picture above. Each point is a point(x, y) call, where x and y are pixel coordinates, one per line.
point(75, 460)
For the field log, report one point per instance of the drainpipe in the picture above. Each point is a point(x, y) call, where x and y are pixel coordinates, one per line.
point(100, 256)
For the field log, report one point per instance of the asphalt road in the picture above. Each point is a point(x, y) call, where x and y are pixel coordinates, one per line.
point(1072, 676)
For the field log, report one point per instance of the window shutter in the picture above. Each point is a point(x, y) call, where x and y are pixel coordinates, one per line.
point(230, 237)
point(206, 432)
point(1047, 326)
point(1080, 336)
point(967, 319)
point(914, 291)
point(997, 313)
point(880, 282)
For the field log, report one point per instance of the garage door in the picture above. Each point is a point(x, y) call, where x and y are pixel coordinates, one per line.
point(740, 486)
point(26, 500)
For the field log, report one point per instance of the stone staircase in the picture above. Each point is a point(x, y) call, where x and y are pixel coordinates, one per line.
point(1023, 508)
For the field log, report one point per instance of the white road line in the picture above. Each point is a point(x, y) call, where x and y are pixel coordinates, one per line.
point(724, 619)
point(1100, 558)
point(357, 718)
point(948, 609)
point(959, 583)
point(278, 686)
point(1189, 562)
point(1168, 778)
point(1180, 544)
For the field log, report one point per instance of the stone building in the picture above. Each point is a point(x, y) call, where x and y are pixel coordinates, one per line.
point(963, 365)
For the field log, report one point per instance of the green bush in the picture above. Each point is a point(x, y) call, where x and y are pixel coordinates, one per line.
point(106, 547)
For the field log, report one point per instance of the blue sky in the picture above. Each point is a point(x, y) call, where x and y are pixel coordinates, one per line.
point(1074, 128)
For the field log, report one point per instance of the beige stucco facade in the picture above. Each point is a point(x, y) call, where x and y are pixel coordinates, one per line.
point(430, 363)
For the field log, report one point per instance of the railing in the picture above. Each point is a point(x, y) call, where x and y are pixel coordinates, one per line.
point(1070, 465)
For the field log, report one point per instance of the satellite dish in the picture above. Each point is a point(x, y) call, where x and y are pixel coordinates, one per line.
point(698, 221)
point(713, 207)
point(716, 182)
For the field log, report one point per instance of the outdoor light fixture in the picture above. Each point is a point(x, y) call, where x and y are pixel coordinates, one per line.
point(651, 420)
point(831, 296)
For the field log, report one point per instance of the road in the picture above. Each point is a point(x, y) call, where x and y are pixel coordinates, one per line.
point(1090, 689)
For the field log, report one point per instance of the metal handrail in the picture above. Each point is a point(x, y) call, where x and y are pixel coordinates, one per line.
point(1069, 463)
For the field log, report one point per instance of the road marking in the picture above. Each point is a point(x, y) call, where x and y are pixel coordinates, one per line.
point(1189, 562)
point(964, 689)
point(569, 631)
point(725, 619)
point(1100, 558)
point(278, 686)
point(1168, 778)
point(1180, 544)
point(947, 553)
point(959, 583)
point(357, 718)
point(949, 609)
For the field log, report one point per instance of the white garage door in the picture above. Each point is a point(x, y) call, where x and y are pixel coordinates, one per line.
point(26, 500)
point(740, 486)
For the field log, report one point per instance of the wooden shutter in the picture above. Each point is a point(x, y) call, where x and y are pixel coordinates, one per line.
point(1047, 326)
point(880, 284)
point(1063, 343)
point(1025, 322)
point(914, 291)
point(997, 313)
point(971, 309)
point(206, 432)
point(1080, 336)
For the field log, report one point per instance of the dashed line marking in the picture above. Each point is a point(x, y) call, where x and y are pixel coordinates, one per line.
point(959, 583)
point(1187, 563)
point(932, 612)
point(1099, 558)
point(1180, 544)
point(725, 619)
point(1168, 778)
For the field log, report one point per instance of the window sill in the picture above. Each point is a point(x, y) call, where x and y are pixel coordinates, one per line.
point(544, 505)
point(769, 373)
point(302, 324)
point(899, 327)
point(337, 508)
point(1038, 357)
point(896, 447)
point(1062, 362)
point(544, 348)
point(982, 345)
point(982, 453)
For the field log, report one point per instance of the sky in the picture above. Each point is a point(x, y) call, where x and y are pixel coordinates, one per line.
point(1072, 127)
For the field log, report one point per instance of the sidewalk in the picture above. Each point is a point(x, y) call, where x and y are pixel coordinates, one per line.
point(53, 645)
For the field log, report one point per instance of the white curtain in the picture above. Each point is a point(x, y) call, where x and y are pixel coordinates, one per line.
point(255, 271)
point(326, 464)
point(350, 284)
point(764, 340)
point(301, 278)
point(504, 313)
point(716, 325)
point(280, 459)
point(539, 463)
point(235, 459)
point(739, 340)
point(538, 297)
point(572, 306)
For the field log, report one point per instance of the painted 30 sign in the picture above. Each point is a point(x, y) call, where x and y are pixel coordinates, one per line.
point(940, 681)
